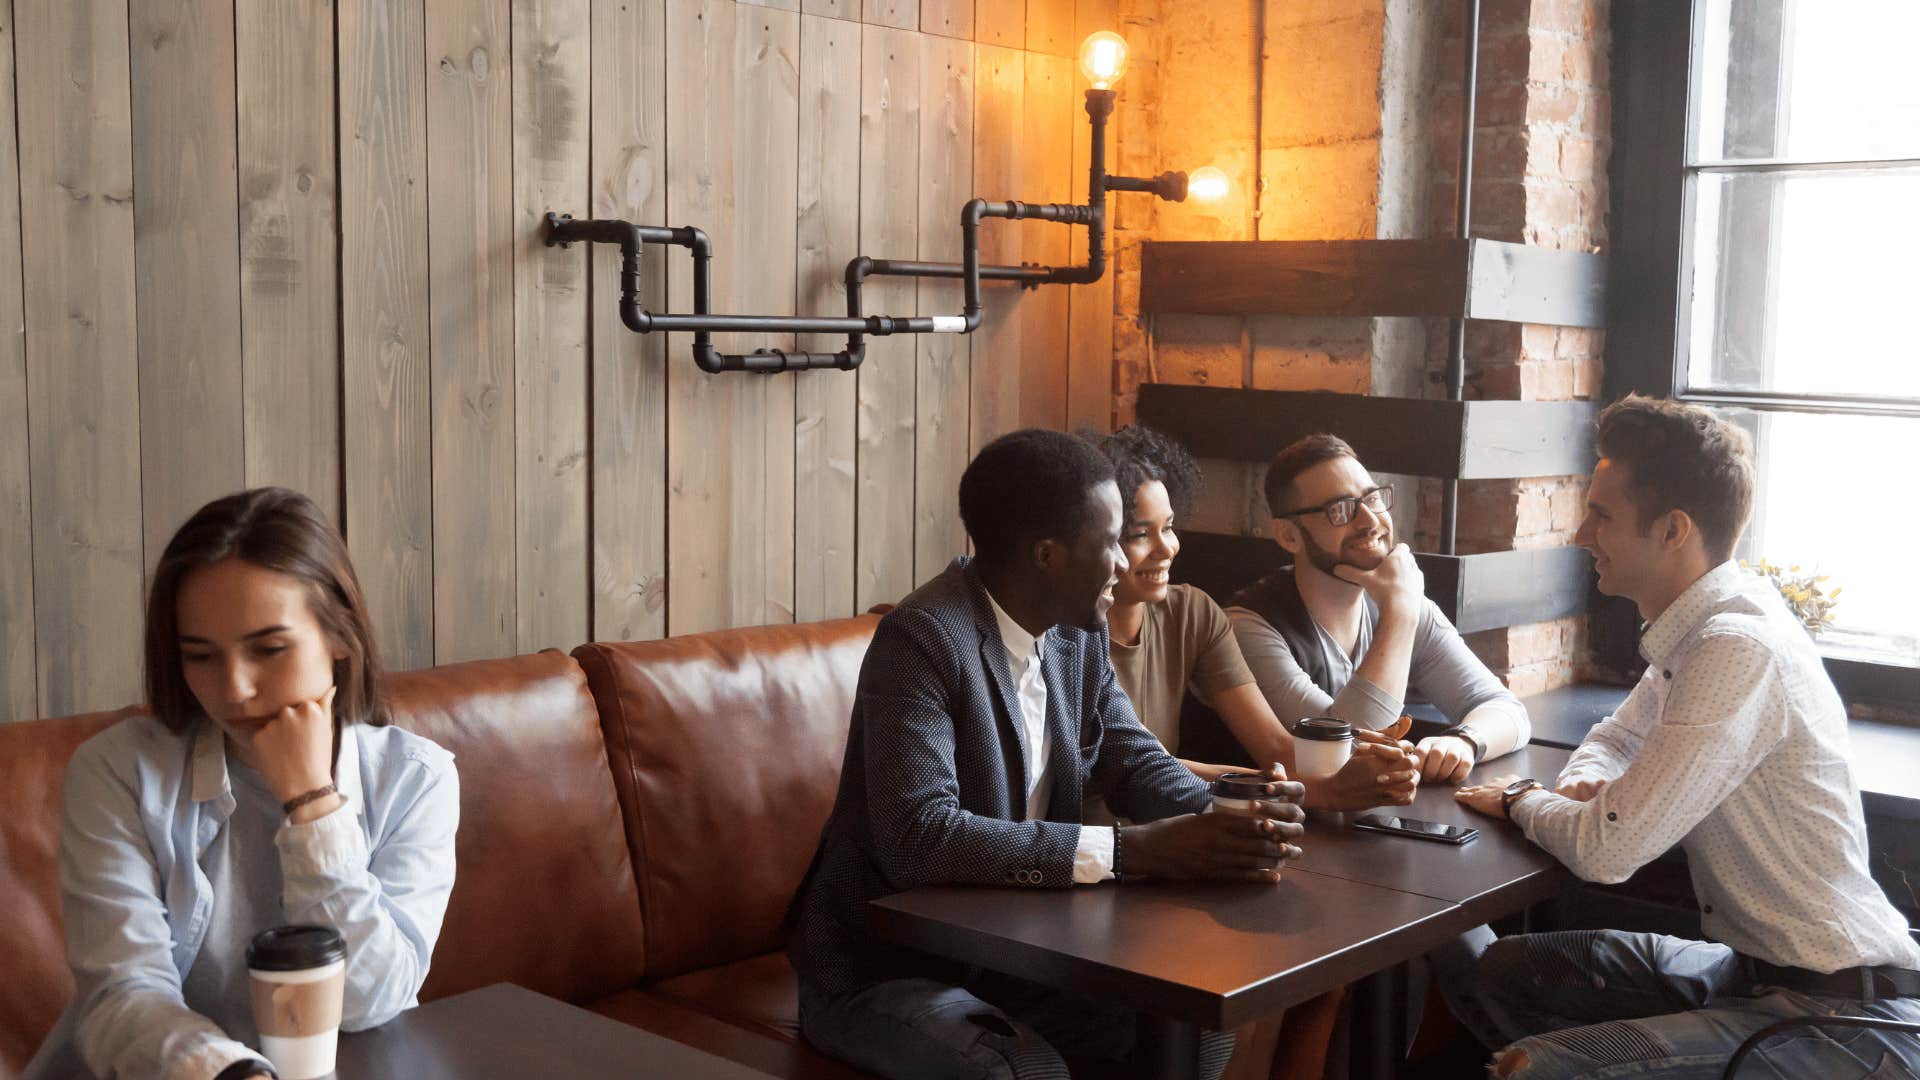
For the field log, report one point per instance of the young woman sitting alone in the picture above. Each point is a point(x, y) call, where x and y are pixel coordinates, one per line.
point(264, 789)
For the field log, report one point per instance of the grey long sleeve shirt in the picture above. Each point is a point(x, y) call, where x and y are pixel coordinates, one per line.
point(1441, 668)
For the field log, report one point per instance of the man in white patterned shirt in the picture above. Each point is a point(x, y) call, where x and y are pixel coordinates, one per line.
point(1733, 746)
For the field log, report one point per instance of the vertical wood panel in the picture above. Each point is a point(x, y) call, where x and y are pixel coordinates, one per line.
point(949, 18)
point(998, 174)
point(783, 5)
point(829, 236)
point(945, 360)
point(470, 255)
point(899, 14)
point(1092, 15)
point(552, 87)
point(1050, 25)
point(289, 248)
point(76, 199)
point(732, 122)
point(383, 256)
point(629, 414)
point(1000, 22)
point(18, 695)
point(833, 9)
point(766, 263)
point(191, 450)
point(889, 216)
point(1047, 158)
point(1089, 307)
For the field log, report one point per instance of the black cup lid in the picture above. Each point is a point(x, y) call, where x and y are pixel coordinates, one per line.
point(295, 948)
point(1240, 786)
point(1323, 729)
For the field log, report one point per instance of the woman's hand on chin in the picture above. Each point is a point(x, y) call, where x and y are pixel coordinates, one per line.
point(295, 753)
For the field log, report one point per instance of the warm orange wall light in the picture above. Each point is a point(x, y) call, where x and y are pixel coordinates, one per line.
point(1207, 184)
point(1103, 58)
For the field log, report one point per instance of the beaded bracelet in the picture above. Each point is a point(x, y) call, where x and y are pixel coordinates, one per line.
point(315, 795)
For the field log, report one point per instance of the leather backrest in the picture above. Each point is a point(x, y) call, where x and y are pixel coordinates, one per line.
point(726, 751)
point(544, 895)
point(33, 774)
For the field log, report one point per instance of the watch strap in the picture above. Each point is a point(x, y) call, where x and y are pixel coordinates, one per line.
point(1514, 791)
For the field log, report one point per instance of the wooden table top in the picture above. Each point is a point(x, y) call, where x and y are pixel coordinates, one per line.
point(1214, 955)
point(1494, 875)
point(505, 1030)
point(1224, 955)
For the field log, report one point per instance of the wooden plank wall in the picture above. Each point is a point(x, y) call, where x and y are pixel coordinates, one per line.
point(300, 244)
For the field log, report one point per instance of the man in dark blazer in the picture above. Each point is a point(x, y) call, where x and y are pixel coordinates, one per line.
point(986, 709)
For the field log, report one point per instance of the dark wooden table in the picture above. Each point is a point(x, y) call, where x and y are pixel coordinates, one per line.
point(1191, 956)
point(505, 1030)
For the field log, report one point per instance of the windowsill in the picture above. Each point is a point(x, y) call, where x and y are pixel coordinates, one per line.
point(1882, 753)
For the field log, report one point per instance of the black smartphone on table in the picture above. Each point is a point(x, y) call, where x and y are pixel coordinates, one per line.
point(1414, 827)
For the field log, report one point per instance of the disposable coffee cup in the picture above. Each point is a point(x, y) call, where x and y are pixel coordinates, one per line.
point(298, 975)
point(1321, 745)
point(1239, 793)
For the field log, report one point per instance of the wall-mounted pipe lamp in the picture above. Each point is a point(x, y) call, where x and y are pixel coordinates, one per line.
point(1103, 58)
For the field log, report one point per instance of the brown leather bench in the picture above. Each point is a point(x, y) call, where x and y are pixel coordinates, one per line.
point(634, 820)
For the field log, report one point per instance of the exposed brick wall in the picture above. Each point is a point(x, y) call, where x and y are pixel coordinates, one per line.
point(1302, 87)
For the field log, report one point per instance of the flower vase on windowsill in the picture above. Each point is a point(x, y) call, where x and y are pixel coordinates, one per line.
point(1805, 594)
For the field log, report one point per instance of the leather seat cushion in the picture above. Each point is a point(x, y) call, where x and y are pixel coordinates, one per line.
point(761, 992)
point(33, 777)
point(726, 751)
point(751, 1046)
point(544, 894)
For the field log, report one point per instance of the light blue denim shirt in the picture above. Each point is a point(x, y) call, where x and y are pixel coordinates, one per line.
point(142, 806)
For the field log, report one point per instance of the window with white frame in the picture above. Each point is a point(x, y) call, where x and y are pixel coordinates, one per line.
point(1799, 307)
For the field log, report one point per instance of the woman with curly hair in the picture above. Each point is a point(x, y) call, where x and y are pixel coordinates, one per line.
point(1167, 640)
point(1170, 639)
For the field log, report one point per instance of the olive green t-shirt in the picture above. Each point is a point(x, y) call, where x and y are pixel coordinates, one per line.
point(1185, 641)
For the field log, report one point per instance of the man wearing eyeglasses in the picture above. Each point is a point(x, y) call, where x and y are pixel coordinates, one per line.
point(1348, 630)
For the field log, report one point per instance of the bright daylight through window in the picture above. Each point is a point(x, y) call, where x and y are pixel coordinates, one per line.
point(1799, 290)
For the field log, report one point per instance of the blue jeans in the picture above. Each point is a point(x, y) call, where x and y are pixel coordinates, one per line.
point(1601, 1004)
point(995, 1029)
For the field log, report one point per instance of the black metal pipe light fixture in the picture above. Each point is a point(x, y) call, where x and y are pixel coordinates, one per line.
point(1102, 58)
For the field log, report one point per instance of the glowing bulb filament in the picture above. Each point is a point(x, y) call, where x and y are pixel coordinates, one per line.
point(1103, 58)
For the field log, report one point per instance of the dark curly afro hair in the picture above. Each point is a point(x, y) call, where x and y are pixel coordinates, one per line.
point(1140, 454)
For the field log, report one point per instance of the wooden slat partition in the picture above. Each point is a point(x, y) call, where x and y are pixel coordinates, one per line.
point(1468, 440)
point(829, 236)
point(300, 244)
point(289, 248)
point(191, 432)
point(552, 87)
point(1477, 278)
point(889, 221)
point(17, 689)
point(999, 88)
point(629, 380)
point(383, 311)
point(470, 316)
point(83, 399)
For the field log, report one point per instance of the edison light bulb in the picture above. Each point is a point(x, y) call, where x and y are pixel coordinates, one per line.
point(1103, 57)
point(1207, 184)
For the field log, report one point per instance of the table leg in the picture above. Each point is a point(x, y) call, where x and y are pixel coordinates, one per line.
point(1379, 1024)
point(1168, 1048)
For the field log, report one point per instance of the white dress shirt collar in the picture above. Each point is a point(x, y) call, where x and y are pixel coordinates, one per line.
point(1691, 608)
point(1021, 645)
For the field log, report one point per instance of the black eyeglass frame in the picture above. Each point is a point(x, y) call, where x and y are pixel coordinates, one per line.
point(1380, 492)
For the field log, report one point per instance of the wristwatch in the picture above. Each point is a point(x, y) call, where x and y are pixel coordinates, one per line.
point(1461, 731)
point(1514, 791)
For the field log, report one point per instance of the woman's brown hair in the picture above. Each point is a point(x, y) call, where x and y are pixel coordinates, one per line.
point(280, 530)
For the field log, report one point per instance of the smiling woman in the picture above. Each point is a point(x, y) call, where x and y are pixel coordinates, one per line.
point(264, 789)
